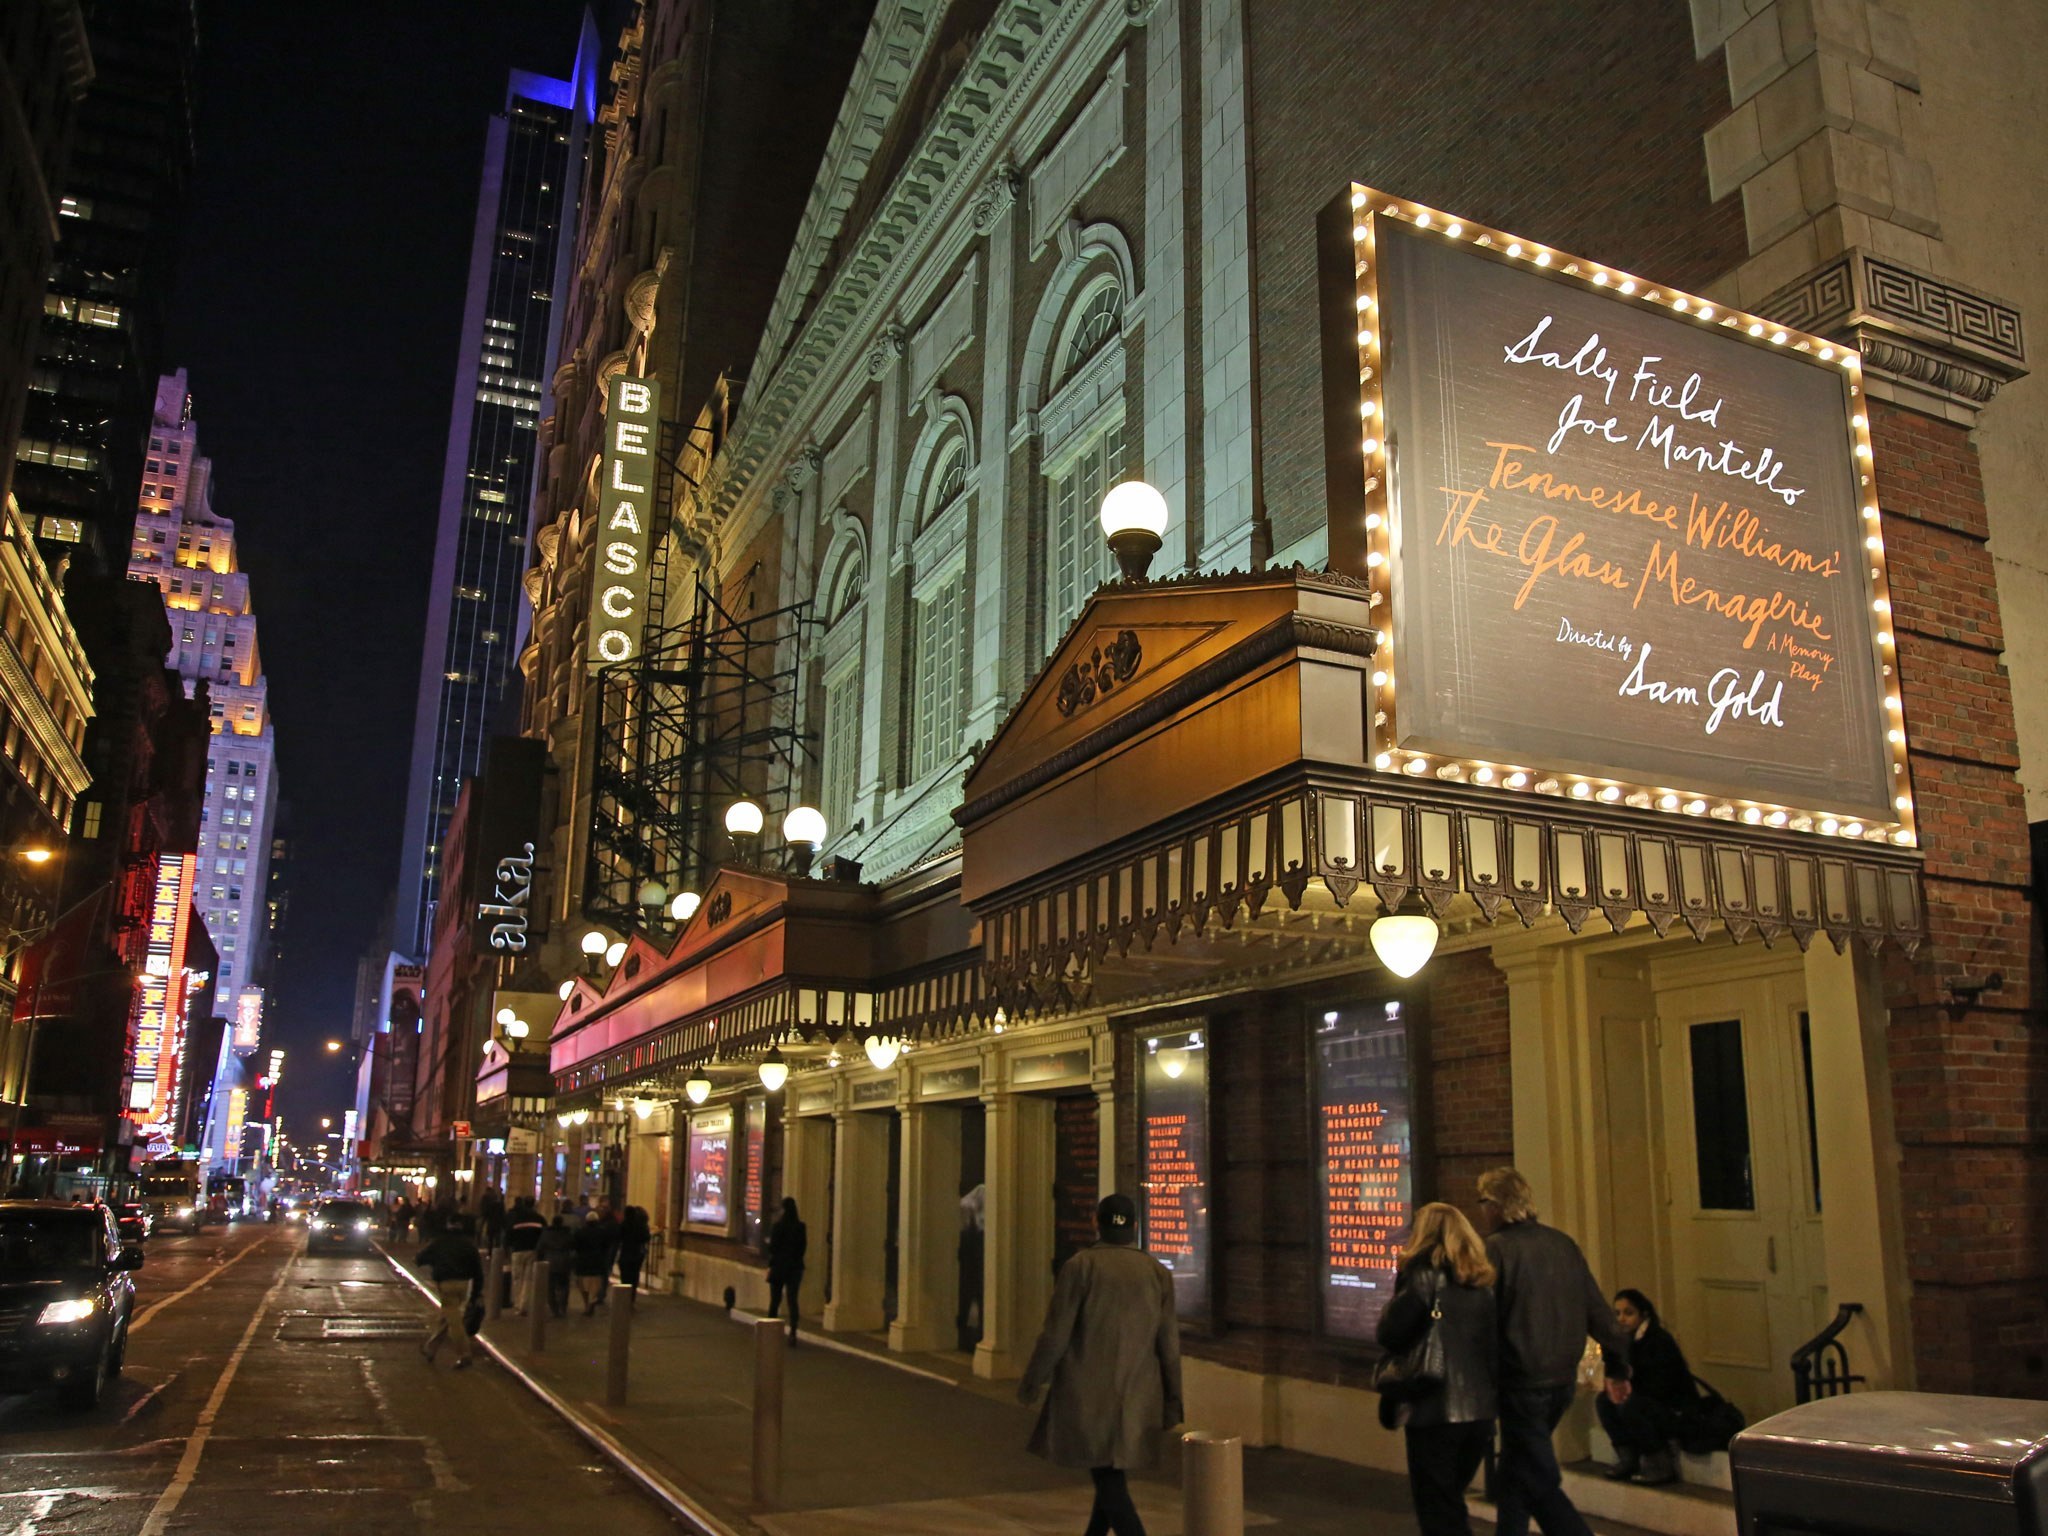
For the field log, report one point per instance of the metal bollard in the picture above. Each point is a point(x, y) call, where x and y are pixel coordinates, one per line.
point(619, 1346)
point(1212, 1485)
point(537, 1307)
point(769, 1351)
point(494, 1284)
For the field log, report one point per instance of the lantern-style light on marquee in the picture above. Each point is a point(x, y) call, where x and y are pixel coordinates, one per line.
point(594, 943)
point(652, 897)
point(1404, 938)
point(1133, 518)
point(803, 829)
point(642, 1108)
point(773, 1069)
point(685, 906)
point(698, 1087)
point(883, 1051)
point(743, 818)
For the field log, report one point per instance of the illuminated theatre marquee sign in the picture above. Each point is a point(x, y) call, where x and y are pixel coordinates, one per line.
point(625, 506)
point(1624, 543)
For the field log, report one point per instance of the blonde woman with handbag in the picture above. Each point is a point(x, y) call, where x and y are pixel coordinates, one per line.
point(1437, 1381)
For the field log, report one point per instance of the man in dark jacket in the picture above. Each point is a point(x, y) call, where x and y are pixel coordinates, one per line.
point(524, 1225)
point(1549, 1304)
point(454, 1265)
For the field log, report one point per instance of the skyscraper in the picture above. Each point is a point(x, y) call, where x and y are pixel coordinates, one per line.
point(520, 267)
point(188, 549)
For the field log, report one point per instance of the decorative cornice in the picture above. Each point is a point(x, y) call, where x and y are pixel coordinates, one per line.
point(1930, 334)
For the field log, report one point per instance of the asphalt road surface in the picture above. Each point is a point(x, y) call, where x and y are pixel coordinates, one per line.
point(268, 1391)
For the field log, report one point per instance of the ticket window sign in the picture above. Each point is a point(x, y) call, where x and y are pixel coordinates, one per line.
point(708, 1200)
point(1363, 1125)
point(625, 520)
point(1173, 1149)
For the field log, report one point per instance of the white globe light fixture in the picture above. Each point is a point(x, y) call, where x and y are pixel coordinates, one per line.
point(516, 1028)
point(594, 943)
point(652, 896)
point(642, 1108)
point(803, 829)
point(883, 1051)
point(506, 1015)
point(773, 1069)
point(1133, 518)
point(565, 989)
point(616, 953)
point(698, 1088)
point(685, 906)
point(743, 818)
point(1405, 938)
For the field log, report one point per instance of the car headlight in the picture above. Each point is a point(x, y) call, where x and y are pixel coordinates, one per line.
point(319, 1226)
point(69, 1311)
point(362, 1226)
point(185, 1212)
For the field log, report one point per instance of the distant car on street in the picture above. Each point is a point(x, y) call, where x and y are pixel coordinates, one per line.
point(66, 1293)
point(132, 1221)
point(339, 1225)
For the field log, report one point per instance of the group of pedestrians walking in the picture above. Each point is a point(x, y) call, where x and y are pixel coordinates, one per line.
point(1494, 1329)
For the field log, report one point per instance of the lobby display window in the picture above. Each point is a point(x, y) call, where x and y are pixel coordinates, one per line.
point(1362, 1098)
point(755, 1188)
point(1173, 1161)
point(707, 1198)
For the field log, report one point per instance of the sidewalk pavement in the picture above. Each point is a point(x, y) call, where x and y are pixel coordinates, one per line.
point(877, 1444)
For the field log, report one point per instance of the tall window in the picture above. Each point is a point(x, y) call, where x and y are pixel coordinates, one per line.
point(939, 674)
point(842, 742)
point(1084, 448)
point(1079, 561)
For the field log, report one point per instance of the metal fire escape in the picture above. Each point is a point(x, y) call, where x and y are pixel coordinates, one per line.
point(708, 712)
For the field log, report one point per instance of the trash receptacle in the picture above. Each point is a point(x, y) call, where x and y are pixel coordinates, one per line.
point(1895, 1464)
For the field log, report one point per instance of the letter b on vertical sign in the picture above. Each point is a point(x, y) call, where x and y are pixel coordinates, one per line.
point(625, 521)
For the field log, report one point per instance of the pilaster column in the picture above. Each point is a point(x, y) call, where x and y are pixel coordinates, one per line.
point(988, 546)
point(860, 1218)
point(928, 1229)
point(1164, 350)
point(1547, 1056)
point(878, 716)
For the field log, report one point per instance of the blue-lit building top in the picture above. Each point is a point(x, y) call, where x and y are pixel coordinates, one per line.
point(521, 261)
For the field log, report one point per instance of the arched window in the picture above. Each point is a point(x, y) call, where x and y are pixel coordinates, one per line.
point(1084, 447)
point(841, 657)
point(938, 655)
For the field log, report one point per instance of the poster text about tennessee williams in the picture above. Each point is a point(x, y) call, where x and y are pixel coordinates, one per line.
point(1368, 1201)
point(1658, 521)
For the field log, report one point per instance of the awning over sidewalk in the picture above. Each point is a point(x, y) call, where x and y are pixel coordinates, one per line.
point(1185, 793)
point(771, 960)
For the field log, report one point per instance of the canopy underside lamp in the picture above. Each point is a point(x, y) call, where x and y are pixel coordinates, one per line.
point(1405, 938)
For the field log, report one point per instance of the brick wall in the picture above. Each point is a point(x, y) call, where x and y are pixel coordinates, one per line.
point(1579, 125)
point(1970, 1094)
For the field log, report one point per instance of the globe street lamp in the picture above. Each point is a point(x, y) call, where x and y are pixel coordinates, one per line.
point(743, 823)
point(685, 906)
point(1133, 518)
point(803, 829)
point(594, 945)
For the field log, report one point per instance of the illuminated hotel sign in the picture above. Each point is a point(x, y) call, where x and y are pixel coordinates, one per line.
point(1624, 543)
point(625, 511)
point(249, 1019)
point(160, 995)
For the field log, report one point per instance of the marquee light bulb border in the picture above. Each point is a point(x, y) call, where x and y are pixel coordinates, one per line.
point(1369, 207)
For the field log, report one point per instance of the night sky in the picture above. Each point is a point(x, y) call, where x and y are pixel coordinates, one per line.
point(319, 304)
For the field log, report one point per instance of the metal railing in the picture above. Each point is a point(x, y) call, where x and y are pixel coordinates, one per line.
point(1820, 1366)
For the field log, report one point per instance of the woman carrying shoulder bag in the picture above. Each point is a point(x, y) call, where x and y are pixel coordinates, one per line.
point(1443, 1392)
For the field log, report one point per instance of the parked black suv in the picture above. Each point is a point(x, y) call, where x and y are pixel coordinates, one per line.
point(66, 1293)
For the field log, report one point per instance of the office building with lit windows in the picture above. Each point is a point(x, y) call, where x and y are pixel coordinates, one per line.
point(189, 550)
point(519, 272)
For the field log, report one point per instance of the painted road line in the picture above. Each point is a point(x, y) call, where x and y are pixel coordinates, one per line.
point(206, 1279)
point(195, 1443)
point(657, 1487)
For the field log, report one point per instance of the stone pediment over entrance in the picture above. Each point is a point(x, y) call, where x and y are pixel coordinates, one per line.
point(1140, 654)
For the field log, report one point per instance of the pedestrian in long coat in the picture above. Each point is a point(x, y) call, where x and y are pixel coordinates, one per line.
point(1108, 1361)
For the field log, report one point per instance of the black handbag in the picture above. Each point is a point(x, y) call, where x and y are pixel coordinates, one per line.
point(1708, 1423)
point(473, 1315)
point(1418, 1370)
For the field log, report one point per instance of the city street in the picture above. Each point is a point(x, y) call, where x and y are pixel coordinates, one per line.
point(267, 1391)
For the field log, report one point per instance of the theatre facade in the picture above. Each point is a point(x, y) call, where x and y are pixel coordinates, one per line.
point(1550, 713)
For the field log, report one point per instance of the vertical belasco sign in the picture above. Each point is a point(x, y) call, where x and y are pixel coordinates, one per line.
point(1624, 545)
point(625, 521)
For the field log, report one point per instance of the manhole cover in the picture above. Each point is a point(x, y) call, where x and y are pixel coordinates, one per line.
point(315, 1328)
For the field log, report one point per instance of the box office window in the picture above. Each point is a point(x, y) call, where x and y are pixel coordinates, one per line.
point(1364, 1137)
point(707, 1201)
point(1173, 1152)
